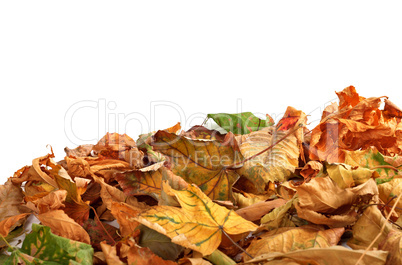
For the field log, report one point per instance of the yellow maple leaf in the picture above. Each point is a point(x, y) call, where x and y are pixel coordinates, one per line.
point(199, 224)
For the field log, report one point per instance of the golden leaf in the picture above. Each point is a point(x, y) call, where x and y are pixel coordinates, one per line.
point(201, 162)
point(198, 225)
point(295, 239)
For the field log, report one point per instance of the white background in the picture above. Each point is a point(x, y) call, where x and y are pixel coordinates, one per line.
point(69, 69)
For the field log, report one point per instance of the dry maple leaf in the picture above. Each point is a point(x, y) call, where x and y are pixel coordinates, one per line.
point(199, 224)
point(148, 180)
point(357, 124)
point(278, 163)
point(201, 162)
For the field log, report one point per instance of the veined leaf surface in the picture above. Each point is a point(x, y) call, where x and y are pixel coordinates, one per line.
point(201, 162)
point(199, 224)
point(239, 123)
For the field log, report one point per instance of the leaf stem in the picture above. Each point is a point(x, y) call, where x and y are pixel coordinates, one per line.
point(385, 166)
point(237, 245)
point(266, 149)
point(2, 237)
point(99, 221)
point(205, 121)
point(382, 230)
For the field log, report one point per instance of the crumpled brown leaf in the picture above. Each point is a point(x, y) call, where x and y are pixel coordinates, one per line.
point(322, 201)
point(62, 225)
point(287, 240)
point(358, 123)
point(255, 211)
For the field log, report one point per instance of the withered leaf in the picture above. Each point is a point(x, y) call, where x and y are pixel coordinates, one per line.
point(321, 256)
point(277, 163)
point(122, 212)
point(148, 180)
point(255, 211)
point(198, 225)
point(203, 163)
point(11, 204)
point(295, 239)
point(322, 201)
point(62, 225)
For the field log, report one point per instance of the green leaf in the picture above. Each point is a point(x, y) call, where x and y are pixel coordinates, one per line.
point(43, 247)
point(218, 257)
point(372, 158)
point(159, 244)
point(153, 156)
point(240, 123)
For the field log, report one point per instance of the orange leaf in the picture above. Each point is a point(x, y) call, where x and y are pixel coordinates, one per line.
point(64, 226)
point(9, 223)
point(122, 212)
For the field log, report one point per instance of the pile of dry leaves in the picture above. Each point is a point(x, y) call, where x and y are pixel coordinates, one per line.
point(262, 193)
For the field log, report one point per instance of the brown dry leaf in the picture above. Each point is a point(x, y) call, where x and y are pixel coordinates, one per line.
point(9, 223)
point(148, 180)
point(86, 167)
point(114, 142)
point(11, 202)
point(200, 132)
point(388, 192)
point(174, 129)
point(110, 254)
point(62, 225)
point(37, 175)
point(245, 199)
point(110, 194)
point(122, 212)
point(119, 146)
point(393, 244)
point(286, 190)
point(310, 170)
point(321, 256)
point(367, 228)
point(204, 163)
point(80, 151)
point(75, 207)
point(144, 256)
point(322, 201)
point(358, 124)
point(256, 211)
point(52, 201)
point(278, 163)
point(295, 239)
